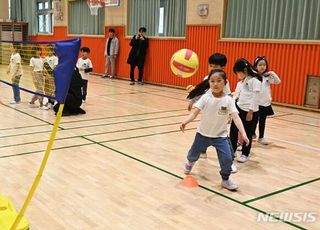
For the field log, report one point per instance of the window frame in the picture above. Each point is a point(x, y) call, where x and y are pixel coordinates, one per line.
point(160, 36)
point(222, 38)
point(102, 35)
point(44, 12)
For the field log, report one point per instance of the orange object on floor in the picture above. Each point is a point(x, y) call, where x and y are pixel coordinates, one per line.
point(189, 181)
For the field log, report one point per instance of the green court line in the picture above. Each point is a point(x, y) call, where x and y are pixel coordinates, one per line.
point(122, 122)
point(133, 92)
point(21, 127)
point(28, 114)
point(101, 144)
point(281, 190)
point(92, 134)
point(297, 122)
point(21, 134)
point(146, 135)
point(281, 115)
point(14, 135)
point(186, 100)
point(127, 115)
point(146, 85)
point(201, 186)
point(36, 142)
point(41, 151)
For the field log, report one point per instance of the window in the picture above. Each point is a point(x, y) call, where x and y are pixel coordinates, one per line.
point(160, 17)
point(82, 22)
point(45, 16)
point(273, 19)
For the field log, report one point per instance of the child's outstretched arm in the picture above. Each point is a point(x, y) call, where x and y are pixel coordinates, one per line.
point(236, 119)
point(190, 118)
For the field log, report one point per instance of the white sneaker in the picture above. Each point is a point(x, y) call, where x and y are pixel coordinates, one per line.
point(83, 101)
point(228, 184)
point(239, 148)
point(44, 107)
point(188, 167)
point(49, 106)
point(263, 141)
point(14, 102)
point(203, 155)
point(242, 158)
point(234, 168)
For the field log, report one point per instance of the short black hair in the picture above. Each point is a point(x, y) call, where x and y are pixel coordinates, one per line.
point(218, 59)
point(112, 30)
point(85, 49)
point(142, 29)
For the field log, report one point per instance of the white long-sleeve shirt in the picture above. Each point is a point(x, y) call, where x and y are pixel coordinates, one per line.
point(248, 91)
point(265, 98)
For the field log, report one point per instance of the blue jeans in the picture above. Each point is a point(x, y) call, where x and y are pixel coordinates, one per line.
point(223, 150)
point(15, 88)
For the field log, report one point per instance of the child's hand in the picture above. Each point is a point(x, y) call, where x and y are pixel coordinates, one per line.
point(245, 139)
point(182, 126)
point(190, 106)
point(249, 116)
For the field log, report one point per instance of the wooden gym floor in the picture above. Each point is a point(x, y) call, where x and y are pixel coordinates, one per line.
point(119, 166)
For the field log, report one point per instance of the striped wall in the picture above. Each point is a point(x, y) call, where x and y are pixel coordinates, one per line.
point(292, 62)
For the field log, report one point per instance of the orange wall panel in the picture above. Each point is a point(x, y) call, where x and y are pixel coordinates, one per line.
point(292, 62)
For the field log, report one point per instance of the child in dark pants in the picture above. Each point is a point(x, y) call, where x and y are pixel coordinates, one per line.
point(265, 109)
point(84, 65)
point(247, 91)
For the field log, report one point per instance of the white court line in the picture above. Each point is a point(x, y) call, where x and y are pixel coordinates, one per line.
point(294, 143)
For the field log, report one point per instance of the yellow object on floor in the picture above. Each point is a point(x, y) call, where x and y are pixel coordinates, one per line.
point(8, 214)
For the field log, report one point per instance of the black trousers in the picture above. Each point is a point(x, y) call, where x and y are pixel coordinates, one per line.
point(84, 89)
point(261, 118)
point(132, 67)
point(248, 126)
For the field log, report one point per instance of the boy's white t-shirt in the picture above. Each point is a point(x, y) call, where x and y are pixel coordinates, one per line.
point(226, 88)
point(37, 64)
point(15, 61)
point(215, 113)
point(84, 63)
point(52, 61)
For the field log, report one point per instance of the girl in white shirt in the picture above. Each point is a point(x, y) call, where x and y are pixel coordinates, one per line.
point(36, 63)
point(212, 130)
point(264, 100)
point(247, 91)
point(50, 63)
point(15, 72)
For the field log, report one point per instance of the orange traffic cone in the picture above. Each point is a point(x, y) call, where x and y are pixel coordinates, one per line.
point(189, 181)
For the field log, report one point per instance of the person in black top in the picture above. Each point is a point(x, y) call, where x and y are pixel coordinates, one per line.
point(137, 54)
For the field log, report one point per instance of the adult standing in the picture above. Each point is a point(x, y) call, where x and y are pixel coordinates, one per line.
point(139, 44)
point(110, 53)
